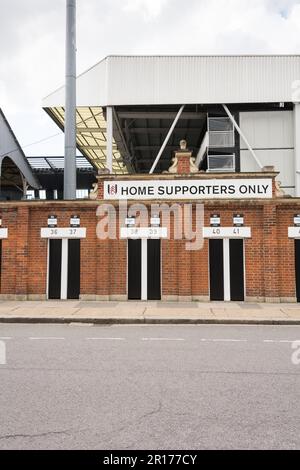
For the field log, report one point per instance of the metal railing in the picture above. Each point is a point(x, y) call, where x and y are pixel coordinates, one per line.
point(221, 132)
point(221, 163)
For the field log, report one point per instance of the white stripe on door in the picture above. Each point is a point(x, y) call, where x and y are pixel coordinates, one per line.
point(64, 269)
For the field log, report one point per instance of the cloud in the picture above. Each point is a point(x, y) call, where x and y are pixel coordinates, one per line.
point(148, 8)
point(32, 42)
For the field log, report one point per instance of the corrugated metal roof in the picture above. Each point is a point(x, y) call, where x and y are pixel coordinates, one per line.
point(56, 163)
point(159, 80)
point(10, 147)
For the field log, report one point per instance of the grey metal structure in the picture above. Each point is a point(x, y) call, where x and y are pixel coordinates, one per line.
point(126, 106)
point(15, 172)
point(50, 172)
point(70, 103)
point(162, 148)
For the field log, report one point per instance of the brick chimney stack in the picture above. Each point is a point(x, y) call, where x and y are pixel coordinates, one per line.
point(183, 162)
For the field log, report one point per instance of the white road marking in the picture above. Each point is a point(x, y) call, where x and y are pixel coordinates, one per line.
point(46, 338)
point(203, 340)
point(108, 339)
point(278, 341)
point(163, 339)
point(224, 340)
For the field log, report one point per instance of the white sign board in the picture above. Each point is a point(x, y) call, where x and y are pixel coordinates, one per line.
point(3, 232)
point(69, 232)
point(155, 220)
point(130, 221)
point(75, 221)
point(215, 221)
point(238, 220)
point(189, 189)
point(52, 221)
point(227, 232)
point(294, 232)
point(144, 232)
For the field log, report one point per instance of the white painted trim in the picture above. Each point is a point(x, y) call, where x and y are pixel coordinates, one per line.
point(64, 232)
point(143, 232)
point(3, 233)
point(294, 232)
point(144, 267)
point(226, 270)
point(64, 269)
point(227, 232)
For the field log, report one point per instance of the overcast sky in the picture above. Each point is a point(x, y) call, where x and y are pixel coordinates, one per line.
point(32, 39)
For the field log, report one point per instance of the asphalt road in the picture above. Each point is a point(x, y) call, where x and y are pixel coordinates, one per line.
point(149, 387)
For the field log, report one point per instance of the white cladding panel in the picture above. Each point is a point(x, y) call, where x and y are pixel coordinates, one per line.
point(271, 135)
point(133, 80)
point(268, 129)
point(282, 160)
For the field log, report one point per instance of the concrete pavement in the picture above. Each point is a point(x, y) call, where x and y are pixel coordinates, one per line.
point(149, 387)
point(148, 312)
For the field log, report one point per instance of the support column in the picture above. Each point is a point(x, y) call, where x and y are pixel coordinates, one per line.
point(70, 106)
point(297, 147)
point(109, 142)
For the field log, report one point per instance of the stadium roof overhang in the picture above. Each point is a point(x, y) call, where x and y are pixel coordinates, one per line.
point(13, 162)
point(91, 136)
point(146, 93)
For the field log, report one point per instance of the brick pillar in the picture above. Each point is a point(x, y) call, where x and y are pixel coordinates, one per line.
point(169, 274)
point(22, 252)
point(270, 254)
point(100, 194)
point(103, 269)
point(184, 272)
point(183, 157)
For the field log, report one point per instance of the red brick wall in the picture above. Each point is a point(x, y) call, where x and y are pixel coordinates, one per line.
point(286, 251)
point(269, 254)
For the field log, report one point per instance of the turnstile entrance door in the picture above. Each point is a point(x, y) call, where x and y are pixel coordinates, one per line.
point(237, 282)
point(73, 283)
point(216, 269)
point(226, 268)
point(64, 269)
point(144, 269)
point(297, 267)
point(153, 270)
point(54, 269)
point(134, 276)
point(0, 263)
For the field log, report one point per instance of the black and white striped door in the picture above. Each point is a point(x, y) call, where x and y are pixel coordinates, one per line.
point(226, 269)
point(64, 268)
point(144, 269)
